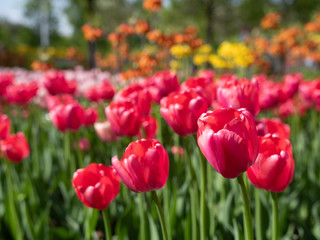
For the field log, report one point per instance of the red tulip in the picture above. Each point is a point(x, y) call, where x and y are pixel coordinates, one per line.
point(227, 77)
point(202, 86)
point(228, 139)
point(144, 166)
point(90, 116)
point(6, 79)
point(96, 185)
point(5, 126)
point(63, 99)
point(274, 167)
point(207, 74)
point(68, 117)
point(56, 83)
point(291, 85)
point(269, 95)
point(15, 147)
point(273, 126)
point(138, 95)
point(182, 109)
point(21, 93)
point(104, 131)
point(104, 91)
point(239, 94)
point(124, 117)
point(148, 128)
point(163, 83)
point(83, 144)
point(306, 91)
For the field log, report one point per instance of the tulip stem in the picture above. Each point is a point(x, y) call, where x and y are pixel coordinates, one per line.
point(142, 218)
point(161, 215)
point(258, 214)
point(203, 198)
point(246, 208)
point(106, 222)
point(275, 216)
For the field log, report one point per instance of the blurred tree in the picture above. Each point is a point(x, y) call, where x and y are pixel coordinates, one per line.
point(42, 14)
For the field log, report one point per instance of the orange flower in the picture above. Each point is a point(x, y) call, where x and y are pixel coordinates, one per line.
point(125, 29)
point(91, 33)
point(152, 5)
point(271, 20)
point(312, 27)
point(141, 26)
point(40, 66)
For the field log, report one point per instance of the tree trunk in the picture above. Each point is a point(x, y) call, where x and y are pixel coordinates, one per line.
point(209, 11)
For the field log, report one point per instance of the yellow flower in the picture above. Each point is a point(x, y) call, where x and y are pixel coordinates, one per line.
point(180, 50)
point(205, 49)
point(217, 61)
point(200, 59)
point(175, 65)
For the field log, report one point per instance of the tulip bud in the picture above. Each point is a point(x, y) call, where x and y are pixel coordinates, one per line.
point(15, 147)
point(239, 94)
point(274, 167)
point(228, 139)
point(124, 117)
point(96, 185)
point(182, 109)
point(144, 166)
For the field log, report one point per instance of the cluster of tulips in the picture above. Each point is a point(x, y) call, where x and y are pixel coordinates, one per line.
point(221, 113)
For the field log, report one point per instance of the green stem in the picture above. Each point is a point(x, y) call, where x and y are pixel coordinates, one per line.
point(106, 222)
point(142, 218)
point(203, 198)
point(258, 216)
point(275, 216)
point(161, 215)
point(193, 190)
point(194, 228)
point(246, 208)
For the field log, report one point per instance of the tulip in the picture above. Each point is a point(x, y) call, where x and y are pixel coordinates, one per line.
point(182, 109)
point(90, 116)
point(207, 74)
point(5, 126)
point(148, 128)
point(163, 83)
point(56, 83)
point(274, 167)
point(103, 91)
point(96, 185)
point(67, 117)
point(273, 126)
point(228, 140)
point(21, 93)
point(15, 147)
point(138, 95)
point(291, 85)
point(239, 94)
point(144, 166)
point(270, 95)
point(84, 144)
point(6, 79)
point(202, 86)
point(124, 117)
point(64, 99)
point(104, 131)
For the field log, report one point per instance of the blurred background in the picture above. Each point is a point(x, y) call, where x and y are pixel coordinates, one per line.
point(38, 29)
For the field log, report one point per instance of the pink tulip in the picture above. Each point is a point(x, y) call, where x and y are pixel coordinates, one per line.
point(228, 139)
point(274, 167)
point(144, 166)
